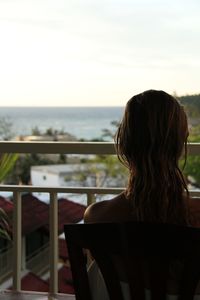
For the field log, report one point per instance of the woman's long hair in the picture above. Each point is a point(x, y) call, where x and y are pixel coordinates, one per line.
point(150, 141)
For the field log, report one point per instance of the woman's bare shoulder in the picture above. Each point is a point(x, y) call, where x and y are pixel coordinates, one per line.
point(105, 211)
point(93, 211)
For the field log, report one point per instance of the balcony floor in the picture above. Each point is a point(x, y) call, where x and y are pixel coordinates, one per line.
point(10, 295)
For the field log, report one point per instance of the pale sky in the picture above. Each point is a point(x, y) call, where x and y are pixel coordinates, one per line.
point(96, 52)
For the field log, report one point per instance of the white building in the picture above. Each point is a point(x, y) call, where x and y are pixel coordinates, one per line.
point(66, 175)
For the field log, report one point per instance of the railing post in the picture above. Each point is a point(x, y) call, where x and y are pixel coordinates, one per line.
point(23, 253)
point(90, 199)
point(17, 241)
point(53, 243)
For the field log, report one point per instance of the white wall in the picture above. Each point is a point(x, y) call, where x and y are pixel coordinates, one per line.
point(43, 178)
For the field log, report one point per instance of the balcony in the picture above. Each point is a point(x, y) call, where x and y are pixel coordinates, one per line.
point(17, 190)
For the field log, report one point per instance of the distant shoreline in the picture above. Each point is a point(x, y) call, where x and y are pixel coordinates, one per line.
point(82, 122)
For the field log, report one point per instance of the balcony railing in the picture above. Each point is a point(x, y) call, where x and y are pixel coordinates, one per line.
point(56, 148)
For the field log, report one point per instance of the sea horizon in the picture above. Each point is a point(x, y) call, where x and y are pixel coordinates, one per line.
point(81, 121)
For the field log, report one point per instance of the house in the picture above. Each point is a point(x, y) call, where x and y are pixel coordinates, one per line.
point(66, 174)
point(74, 174)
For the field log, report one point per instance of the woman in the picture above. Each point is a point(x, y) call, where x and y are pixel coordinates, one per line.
point(150, 141)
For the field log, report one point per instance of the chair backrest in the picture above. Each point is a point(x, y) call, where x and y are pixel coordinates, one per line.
point(158, 258)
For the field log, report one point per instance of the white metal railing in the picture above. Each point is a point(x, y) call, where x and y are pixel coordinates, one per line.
point(64, 148)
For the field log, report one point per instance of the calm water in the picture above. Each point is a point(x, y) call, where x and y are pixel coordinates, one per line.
point(83, 122)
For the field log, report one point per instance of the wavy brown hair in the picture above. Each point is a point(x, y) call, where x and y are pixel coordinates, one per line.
point(150, 141)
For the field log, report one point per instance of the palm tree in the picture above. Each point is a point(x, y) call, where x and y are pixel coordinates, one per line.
point(7, 162)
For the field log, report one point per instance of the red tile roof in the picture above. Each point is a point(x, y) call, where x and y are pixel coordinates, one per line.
point(31, 282)
point(65, 284)
point(35, 213)
point(69, 212)
point(63, 252)
point(6, 205)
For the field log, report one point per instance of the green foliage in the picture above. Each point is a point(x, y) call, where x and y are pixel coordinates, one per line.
point(192, 168)
point(35, 131)
point(5, 231)
point(49, 131)
point(191, 104)
point(194, 134)
point(193, 100)
point(109, 134)
point(62, 159)
point(7, 163)
point(5, 129)
point(104, 168)
point(21, 170)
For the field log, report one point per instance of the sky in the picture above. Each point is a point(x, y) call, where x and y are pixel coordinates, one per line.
point(96, 52)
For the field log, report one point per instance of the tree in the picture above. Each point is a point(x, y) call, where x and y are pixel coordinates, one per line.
point(21, 170)
point(107, 133)
point(194, 134)
point(7, 162)
point(191, 104)
point(35, 131)
point(6, 132)
point(5, 225)
point(192, 169)
point(113, 169)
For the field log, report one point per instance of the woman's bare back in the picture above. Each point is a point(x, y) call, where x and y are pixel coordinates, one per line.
point(115, 210)
point(118, 209)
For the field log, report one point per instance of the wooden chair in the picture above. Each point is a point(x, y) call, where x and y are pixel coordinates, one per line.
point(143, 255)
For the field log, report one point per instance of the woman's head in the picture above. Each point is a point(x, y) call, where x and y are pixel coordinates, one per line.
point(150, 141)
point(154, 127)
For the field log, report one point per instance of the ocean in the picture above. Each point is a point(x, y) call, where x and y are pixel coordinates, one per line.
point(82, 122)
